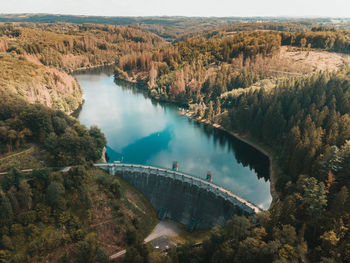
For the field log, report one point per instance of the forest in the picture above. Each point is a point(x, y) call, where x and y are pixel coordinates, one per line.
point(201, 69)
point(232, 76)
point(174, 28)
point(36, 58)
point(47, 214)
point(62, 216)
point(180, 72)
point(70, 47)
point(337, 41)
point(306, 121)
point(303, 120)
point(66, 141)
point(45, 211)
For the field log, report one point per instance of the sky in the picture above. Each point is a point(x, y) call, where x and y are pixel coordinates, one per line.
point(219, 8)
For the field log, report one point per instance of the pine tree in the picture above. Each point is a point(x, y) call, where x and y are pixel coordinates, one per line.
point(209, 112)
point(217, 109)
point(6, 212)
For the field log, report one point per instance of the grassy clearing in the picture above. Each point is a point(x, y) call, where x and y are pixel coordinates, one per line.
point(194, 237)
point(112, 218)
point(291, 62)
point(140, 206)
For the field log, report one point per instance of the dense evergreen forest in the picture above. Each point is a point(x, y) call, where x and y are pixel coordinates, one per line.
point(318, 38)
point(77, 216)
point(306, 121)
point(46, 211)
point(64, 138)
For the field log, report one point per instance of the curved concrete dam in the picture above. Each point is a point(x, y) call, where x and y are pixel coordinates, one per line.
point(194, 202)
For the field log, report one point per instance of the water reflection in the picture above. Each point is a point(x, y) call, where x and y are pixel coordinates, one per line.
point(144, 131)
point(143, 149)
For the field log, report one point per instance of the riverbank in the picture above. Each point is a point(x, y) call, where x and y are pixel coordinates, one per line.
point(246, 139)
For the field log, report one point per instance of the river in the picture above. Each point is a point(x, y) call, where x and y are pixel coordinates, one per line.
point(142, 131)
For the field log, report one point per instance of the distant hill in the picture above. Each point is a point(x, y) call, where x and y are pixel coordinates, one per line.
point(173, 27)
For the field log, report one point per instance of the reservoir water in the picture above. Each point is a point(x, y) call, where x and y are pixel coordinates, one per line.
point(142, 131)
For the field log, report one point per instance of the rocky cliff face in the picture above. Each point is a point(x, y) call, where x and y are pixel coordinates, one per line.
point(37, 83)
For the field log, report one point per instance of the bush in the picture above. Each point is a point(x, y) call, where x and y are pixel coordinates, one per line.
point(281, 182)
point(115, 189)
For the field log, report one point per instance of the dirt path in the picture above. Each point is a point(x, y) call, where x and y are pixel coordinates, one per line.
point(62, 169)
point(16, 154)
point(23, 171)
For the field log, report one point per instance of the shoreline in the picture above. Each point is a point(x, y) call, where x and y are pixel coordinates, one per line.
point(71, 72)
point(82, 69)
point(272, 175)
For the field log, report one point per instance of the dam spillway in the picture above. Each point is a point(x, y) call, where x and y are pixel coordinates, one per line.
point(194, 202)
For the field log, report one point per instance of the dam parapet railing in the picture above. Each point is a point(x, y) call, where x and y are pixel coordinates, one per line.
point(219, 191)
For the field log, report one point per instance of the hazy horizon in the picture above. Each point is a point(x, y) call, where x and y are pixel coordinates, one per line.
point(195, 8)
point(174, 16)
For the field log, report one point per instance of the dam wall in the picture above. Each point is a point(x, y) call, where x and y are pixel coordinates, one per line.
point(194, 202)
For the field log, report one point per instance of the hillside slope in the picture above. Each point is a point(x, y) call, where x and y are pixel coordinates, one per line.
point(80, 214)
point(37, 83)
point(35, 59)
point(83, 215)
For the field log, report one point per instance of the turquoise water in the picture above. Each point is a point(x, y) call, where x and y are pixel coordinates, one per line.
point(143, 131)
